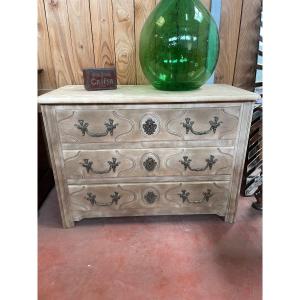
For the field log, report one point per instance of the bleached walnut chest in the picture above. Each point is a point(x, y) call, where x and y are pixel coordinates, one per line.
point(138, 151)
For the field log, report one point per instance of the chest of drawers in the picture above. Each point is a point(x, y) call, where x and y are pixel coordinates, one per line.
point(138, 151)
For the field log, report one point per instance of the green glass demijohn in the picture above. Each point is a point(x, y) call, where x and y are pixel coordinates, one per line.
point(179, 45)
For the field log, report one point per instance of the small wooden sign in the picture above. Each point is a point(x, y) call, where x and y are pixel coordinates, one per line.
point(100, 79)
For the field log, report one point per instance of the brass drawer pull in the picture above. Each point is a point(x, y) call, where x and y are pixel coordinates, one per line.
point(188, 125)
point(186, 162)
point(184, 195)
point(115, 197)
point(83, 126)
point(88, 164)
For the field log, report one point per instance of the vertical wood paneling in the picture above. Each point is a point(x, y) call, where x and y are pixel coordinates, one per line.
point(142, 11)
point(81, 37)
point(123, 16)
point(47, 77)
point(229, 35)
point(103, 33)
point(207, 3)
point(245, 69)
point(60, 41)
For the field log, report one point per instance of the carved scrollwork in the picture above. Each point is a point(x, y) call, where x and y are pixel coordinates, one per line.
point(184, 195)
point(88, 164)
point(186, 162)
point(115, 197)
point(214, 124)
point(83, 127)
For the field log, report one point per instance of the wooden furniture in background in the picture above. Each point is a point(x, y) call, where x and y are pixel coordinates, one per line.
point(252, 179)
point(258, 205)
point(76, 34)
point(139, 151)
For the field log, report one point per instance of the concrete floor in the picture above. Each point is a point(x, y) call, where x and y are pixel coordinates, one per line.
point(151, 258)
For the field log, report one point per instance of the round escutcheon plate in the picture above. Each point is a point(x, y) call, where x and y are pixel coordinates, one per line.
point(150, 125)
point(151, 196)
point(150, 162)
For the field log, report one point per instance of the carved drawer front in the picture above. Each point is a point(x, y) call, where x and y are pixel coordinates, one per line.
point(148, 162)
point(148, 199)
point(141, 125)
point(91, 125)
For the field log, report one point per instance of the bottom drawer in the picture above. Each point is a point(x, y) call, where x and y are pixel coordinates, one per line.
point(113, 200)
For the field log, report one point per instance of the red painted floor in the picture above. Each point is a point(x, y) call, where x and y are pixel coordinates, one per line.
point(151, 258)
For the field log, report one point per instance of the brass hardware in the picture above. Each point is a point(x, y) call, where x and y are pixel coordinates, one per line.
point(149, 126)
point(150, 197)
point(186, 162)
point(92, 198)
point(88, 164)
point(83, 126)
point(184, 195)
point(188, 125)
point(150, 164)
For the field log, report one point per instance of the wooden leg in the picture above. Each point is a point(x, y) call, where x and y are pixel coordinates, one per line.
point(230, 218)
point(68, 223)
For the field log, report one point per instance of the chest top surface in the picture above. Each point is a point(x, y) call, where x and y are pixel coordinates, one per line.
point(142, 94)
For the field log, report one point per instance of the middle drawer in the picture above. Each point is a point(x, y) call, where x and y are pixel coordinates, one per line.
point(88, 164)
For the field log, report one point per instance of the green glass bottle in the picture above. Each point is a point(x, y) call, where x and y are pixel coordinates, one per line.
point(179, 45)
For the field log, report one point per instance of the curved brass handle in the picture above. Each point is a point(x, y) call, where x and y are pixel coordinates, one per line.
point(184, 195)
point(88, 164)
point(188, 125)
point(186, 162)
point(115, 197)
point(83, 126)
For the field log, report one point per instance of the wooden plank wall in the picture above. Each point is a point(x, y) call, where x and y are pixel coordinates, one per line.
point(45, 60)
point(246, 60)
point(75, 34)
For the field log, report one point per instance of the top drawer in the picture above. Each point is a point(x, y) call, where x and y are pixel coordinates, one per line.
point(99, 124)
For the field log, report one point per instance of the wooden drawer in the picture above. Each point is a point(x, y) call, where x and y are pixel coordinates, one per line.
point(148, 162)
point(97, 124)
point(91, 201)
